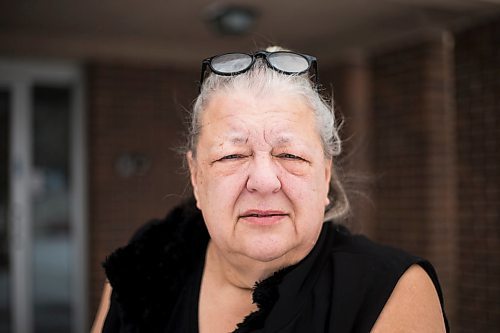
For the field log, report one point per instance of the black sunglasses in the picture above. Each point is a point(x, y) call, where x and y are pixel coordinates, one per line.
point(285, 62)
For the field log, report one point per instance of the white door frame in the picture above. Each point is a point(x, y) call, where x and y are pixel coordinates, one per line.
point(18, 77)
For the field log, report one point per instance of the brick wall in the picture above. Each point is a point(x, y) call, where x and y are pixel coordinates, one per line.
point(351, 87)
point(413, 155)
point(478, 141)
point(137, 112)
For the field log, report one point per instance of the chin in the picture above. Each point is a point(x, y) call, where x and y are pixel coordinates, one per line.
point(268, 252)
point(265, 257)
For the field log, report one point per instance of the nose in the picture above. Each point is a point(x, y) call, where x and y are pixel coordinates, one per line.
point(263, 176)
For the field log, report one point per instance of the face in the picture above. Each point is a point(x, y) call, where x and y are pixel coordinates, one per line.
point(260, 176)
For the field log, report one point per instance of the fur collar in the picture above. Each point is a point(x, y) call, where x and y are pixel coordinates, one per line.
point(148, 274)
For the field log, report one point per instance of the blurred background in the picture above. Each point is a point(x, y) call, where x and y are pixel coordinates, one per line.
point(93, 100)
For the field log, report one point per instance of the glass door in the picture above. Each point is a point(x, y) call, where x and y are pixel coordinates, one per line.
point(42, 199)
point(50, 205)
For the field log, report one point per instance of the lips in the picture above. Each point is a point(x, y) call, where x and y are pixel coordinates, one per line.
point(262, 213)
point(263, 217)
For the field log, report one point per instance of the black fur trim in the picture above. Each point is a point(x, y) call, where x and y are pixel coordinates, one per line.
point(148, 273)
point(265, 296)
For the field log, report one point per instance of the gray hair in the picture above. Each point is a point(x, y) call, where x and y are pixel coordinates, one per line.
point(260, 79)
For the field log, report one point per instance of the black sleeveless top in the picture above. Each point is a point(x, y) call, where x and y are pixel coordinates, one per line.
point(342, 285)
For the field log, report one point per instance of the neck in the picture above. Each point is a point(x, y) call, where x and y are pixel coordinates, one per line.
point(239, 271)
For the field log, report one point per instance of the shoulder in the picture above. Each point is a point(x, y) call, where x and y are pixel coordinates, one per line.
point(367, 274)
point(413, 306)
point(381, 262)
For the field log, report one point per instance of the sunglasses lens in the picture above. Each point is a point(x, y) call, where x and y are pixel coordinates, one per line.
point(231, 63)
point(288, 62)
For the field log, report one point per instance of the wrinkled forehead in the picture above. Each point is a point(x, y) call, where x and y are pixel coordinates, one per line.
point(239, 105)
point(236, 117)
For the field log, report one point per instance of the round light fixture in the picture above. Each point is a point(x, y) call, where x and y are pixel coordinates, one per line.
point(231, 19)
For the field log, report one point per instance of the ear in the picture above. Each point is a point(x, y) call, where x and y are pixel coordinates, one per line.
point(193, 172)
point(328, 178)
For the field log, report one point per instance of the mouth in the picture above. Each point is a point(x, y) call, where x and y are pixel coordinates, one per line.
point(261, 217)
point(263, 213)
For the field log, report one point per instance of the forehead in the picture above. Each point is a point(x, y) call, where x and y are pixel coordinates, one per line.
point(277, 112)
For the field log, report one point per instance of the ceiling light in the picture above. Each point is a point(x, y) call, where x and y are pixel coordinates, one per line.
point(231, 19)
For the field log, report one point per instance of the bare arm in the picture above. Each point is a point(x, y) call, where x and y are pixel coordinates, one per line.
point(413, 306)
point(103, 309)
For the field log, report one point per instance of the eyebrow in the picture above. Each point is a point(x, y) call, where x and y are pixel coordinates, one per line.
point(236, 138)
point(283, 140)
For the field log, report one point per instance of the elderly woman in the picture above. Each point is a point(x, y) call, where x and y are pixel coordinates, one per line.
point(257, 248)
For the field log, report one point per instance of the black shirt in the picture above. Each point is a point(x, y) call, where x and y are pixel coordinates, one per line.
point(342, 285)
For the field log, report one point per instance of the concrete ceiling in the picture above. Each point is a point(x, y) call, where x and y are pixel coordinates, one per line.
point(177, 32)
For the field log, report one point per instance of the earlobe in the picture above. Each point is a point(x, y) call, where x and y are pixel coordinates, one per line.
point(328, 179)
point(328, 170)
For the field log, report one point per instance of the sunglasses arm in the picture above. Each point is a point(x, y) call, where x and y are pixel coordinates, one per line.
point(315, 67)
point(203, 70)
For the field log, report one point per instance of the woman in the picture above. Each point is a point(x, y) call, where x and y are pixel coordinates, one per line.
point(252, 251)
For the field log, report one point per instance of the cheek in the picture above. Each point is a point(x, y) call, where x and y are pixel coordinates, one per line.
point(304, 188)
point(300, 191)
point(220, 189)
point(296, 168)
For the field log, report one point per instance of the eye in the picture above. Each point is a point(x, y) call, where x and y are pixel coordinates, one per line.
point(231, 157)
point(289, 156)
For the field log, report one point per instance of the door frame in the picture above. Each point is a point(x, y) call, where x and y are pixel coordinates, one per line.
point(19, 76)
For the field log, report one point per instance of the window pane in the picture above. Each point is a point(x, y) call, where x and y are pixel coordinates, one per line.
point(4, 204)
point(51, 205)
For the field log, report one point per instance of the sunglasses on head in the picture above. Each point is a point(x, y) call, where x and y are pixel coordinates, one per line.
point(285, 62)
